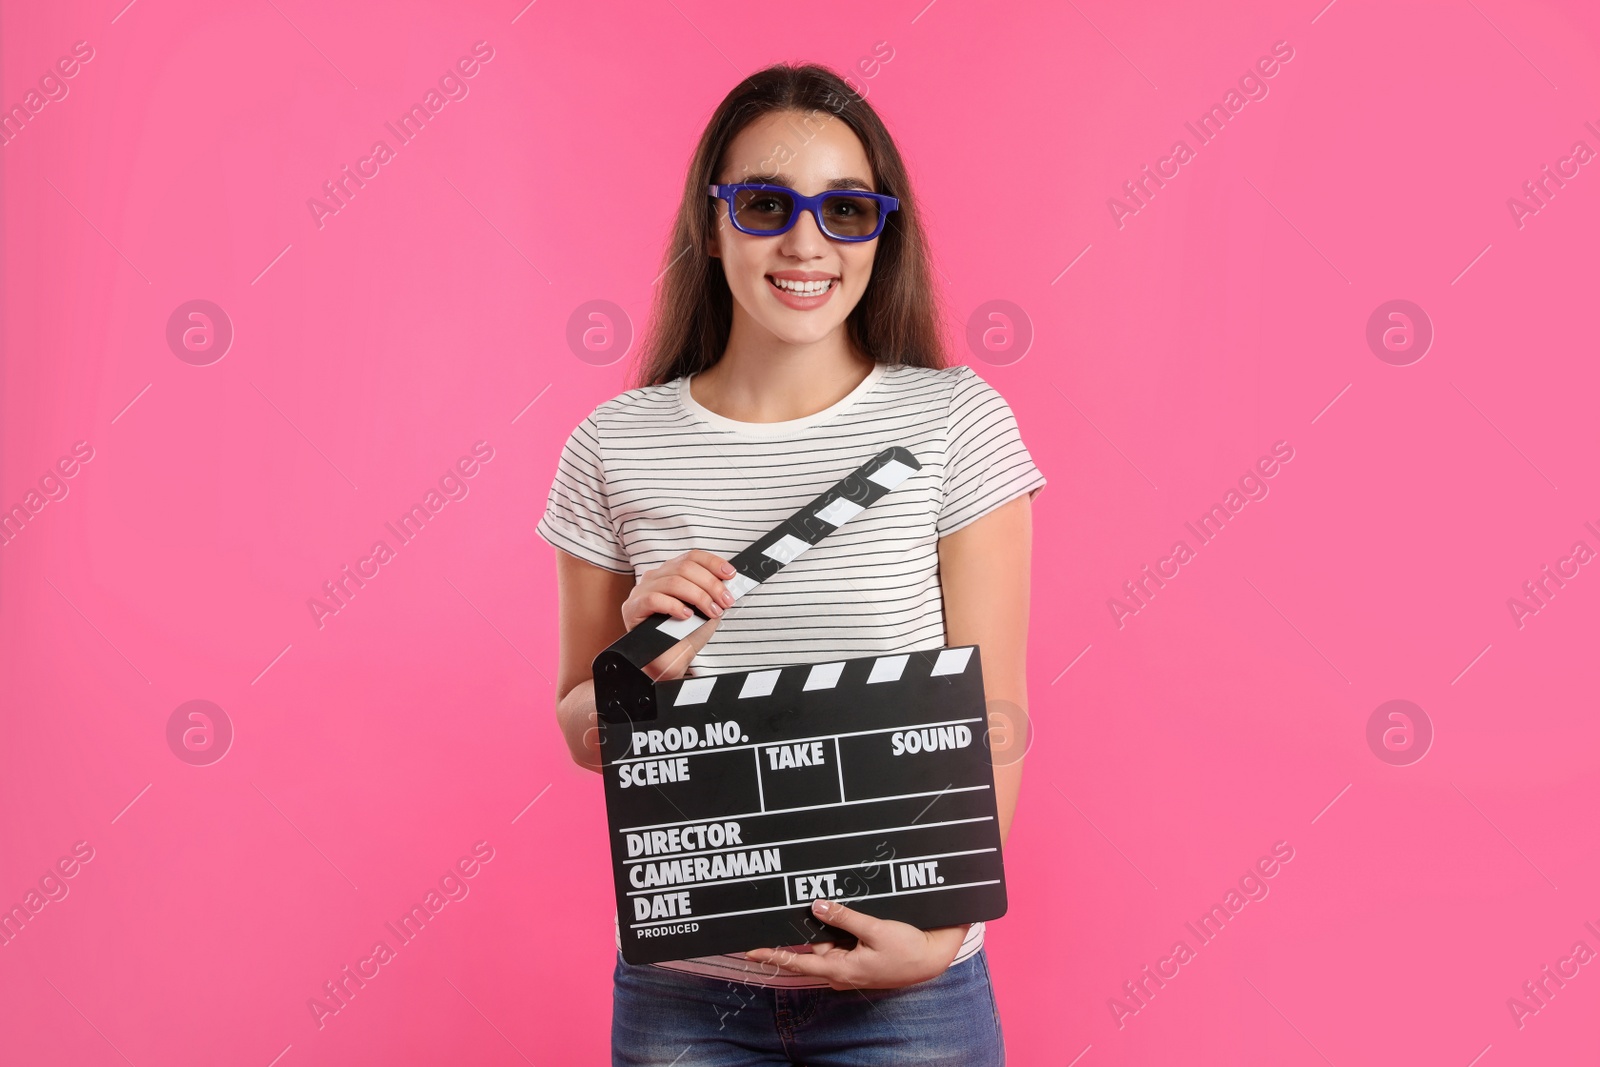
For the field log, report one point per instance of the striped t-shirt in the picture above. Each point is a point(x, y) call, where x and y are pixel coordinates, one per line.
point(651, 474)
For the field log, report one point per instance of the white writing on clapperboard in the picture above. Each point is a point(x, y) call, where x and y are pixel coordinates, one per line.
point(930, 740)
point(694, 856)
point(674, 739)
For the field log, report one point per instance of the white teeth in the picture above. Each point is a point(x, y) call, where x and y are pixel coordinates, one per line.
point(802, 288)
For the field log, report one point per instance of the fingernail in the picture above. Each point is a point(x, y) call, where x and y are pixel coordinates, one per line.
point(716, 609)
point(727, 568)
point(820, 907)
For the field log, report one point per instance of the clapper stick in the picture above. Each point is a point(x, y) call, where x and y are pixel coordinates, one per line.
point(624, 689)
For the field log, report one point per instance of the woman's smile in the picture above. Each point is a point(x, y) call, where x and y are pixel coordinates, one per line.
point(802, 290)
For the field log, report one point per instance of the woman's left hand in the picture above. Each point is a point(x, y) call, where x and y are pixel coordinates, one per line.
point(888, 954)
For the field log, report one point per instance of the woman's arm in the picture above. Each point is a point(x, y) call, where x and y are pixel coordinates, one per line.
point(595, 612)
point(984, 569)
point(591, 619)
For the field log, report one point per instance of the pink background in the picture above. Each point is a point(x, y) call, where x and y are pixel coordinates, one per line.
point(372, 753)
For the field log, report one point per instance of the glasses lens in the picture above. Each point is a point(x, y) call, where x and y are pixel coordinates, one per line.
point(849, 216)
point(762, 210)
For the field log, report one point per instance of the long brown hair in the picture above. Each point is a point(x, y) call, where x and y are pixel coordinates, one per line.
point(897, 318)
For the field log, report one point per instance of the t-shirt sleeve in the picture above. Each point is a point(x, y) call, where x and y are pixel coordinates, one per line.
point(987, 464)
point(577, 516)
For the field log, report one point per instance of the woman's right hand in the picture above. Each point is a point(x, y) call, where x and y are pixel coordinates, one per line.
point(693, 579)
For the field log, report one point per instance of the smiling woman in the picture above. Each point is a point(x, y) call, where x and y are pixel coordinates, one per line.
point(802, 339)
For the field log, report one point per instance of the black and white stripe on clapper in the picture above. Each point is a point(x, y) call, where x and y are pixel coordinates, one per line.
point(622, 690)
point(735, 799)
point(809, 677)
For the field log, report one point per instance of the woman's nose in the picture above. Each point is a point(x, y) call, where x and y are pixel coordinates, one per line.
point(805, 237)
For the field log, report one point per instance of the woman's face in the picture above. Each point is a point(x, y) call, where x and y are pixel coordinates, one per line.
point(818, 152)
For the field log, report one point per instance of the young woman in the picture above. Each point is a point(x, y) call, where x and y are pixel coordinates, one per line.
point(794, 337)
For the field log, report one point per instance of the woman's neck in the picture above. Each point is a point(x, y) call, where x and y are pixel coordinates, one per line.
point(780, 382)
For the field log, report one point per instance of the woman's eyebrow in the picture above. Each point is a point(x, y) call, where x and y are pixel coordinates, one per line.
point(783, 179)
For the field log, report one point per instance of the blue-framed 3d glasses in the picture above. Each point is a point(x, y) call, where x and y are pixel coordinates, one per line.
point(767, 210)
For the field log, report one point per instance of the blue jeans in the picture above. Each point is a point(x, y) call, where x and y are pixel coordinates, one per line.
point(665, 1018)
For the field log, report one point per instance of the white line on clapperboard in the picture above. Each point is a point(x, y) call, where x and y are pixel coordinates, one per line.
point(796, 874)
point(838, 765)
point(786, 907)
point(791, 741)
point(722, 882)
point(808, 840)
point(808, 807)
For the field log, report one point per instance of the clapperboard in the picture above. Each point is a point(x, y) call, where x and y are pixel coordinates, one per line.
point(735, 800)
